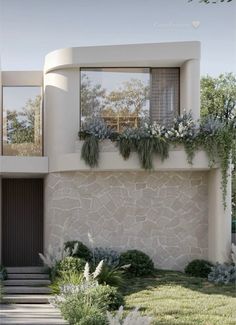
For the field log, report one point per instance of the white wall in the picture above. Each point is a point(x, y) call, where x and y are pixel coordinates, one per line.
point(61, 106)
point(190, 87)
point(62, 84)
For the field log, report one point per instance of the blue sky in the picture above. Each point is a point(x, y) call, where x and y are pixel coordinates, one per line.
point(29, 29)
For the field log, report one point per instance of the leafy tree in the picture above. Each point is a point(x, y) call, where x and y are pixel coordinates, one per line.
point(24, 126)
point(129, 99)
point(92, 97)
point(218, 98)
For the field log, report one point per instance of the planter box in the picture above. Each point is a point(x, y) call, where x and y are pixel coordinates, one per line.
point(104, 146)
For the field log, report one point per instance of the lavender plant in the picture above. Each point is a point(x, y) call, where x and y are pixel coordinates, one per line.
point(109, 256)
point(97, 127)
point(223, 274)
point(132, 318)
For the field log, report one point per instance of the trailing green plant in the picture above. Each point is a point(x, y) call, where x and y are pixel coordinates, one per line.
point(90, 151)
point(223, 274)
point(93, 130)
point(125, 146)
point(77, 249)
point(184, 131)
point(3, 272)
point(215, 134)
point(217, 138)
point(199, 268)
point(132, 318)
point(146, 140)
point(139, 263)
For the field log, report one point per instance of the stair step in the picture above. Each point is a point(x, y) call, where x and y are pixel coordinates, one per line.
point(27, 276)
point(39, 321)
point(26, 289)
point(26, 299)
point(27, 282)
point(27, 269)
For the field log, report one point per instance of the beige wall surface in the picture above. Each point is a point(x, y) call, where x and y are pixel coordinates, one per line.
point(161, 213)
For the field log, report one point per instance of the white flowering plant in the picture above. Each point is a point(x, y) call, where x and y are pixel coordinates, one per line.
point(213, 134)
point(184, 128)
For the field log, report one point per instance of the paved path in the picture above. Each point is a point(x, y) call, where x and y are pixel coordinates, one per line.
point(30, 314)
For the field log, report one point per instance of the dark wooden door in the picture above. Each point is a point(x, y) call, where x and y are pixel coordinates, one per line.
point(22, 221)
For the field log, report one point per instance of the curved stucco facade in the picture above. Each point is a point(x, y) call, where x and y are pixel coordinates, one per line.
point(62, 83)
point(174, 213)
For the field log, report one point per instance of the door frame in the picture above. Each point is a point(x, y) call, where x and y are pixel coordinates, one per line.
point(1, 212)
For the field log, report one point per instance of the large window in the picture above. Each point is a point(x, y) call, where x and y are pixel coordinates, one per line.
point(22, 121)
point(125, 96)
point(119, 95)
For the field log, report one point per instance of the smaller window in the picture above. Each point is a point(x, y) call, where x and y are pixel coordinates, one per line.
point(22, 121)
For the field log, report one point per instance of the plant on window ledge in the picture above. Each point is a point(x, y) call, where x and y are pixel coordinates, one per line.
point(93, 130)
point(216, 136)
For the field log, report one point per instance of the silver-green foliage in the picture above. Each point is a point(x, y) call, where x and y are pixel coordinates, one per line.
point(223, 274)
point(90, 151)
point(132, 318)
point(109, 256)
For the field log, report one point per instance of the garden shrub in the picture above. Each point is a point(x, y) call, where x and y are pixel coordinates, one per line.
point(109, 256)
point(71, 264)
point(77, 312)
point(82, 250)
point(113, 276)
point(105, 297)
point(140, 263)
point(87, 301)
point(198, 268)
point(223, 274)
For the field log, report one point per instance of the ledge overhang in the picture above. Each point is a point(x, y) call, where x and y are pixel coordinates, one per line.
point(23, 166)
point(129, 55)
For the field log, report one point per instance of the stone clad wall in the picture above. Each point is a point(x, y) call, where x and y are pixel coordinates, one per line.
point(161, 213)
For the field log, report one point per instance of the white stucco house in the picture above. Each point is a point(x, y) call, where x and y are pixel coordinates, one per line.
point(48, 194)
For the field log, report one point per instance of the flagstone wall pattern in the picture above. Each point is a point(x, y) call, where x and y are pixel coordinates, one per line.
point(163, 214)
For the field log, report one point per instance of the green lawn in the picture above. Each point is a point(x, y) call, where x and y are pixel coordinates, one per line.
point(173, 298)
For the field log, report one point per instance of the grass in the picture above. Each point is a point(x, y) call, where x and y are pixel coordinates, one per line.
point(173, 298)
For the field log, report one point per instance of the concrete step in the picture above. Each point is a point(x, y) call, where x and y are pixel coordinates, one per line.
point(25, 299)
point(27, 269)
point(27, 282)
point(26, 290)
point(27, 276)
point(30, 314)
